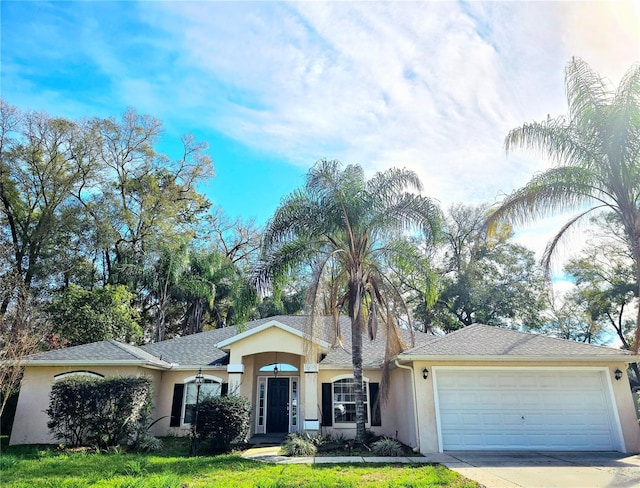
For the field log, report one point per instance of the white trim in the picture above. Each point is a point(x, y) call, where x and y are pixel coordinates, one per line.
point(610, 358)
point(436, 405)
point(192, 379)
point(311, 367)
point(291, 427)
point(92, 362)
point(235, 368)
point(190, 367)
point(350, 425)
point(289, 375)
point(617, 425)
point(70, 374)
point(265, 326)
point(603, 370)
point(345, 376)
point(261, 429)
point(311, 425)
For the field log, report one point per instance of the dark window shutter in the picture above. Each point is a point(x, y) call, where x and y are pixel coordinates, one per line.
point(176, 405)
point(327, 411)
point(224, 390)
point(374, 398)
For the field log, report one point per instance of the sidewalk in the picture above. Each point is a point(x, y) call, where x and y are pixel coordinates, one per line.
point(269, 454)
point(502, 469)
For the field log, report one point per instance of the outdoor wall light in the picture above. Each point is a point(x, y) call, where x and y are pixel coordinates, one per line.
point(275, 366)
point(618, 374)
point(199, 377)
point(425, 373)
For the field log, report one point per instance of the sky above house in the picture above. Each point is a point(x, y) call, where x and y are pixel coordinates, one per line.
point(273, 87)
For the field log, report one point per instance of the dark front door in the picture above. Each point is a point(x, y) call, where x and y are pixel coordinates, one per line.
point(278, 405)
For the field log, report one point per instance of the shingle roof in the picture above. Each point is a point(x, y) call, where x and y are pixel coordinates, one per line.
point(484, 341)
point(475, 341)
point(200, 349)
point(97, 352)
point(372, 351)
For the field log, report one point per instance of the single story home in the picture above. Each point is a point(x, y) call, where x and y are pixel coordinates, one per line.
point(478, 388)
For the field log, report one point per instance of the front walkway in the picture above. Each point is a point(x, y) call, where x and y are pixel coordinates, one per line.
point(269, 454)
point(500, 469)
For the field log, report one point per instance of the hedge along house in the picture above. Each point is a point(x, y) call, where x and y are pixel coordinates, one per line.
point(478, 388)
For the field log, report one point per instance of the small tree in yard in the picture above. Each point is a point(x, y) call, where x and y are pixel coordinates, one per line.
point(22, 332)
point(100, 412)
point(222, 420)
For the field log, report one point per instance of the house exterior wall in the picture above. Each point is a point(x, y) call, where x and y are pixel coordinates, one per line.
point(330, 375)
point(266, 341)
point(30, 422)
point(414, 426)
point(164, 397)
point(398, 412)
point(621, 394)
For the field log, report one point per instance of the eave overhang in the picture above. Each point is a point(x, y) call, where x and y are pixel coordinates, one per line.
point(84, 362)
point(519, 359)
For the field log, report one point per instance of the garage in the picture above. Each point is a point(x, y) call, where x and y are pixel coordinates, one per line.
point(493, 408)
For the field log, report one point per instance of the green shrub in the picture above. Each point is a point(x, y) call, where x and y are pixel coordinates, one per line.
point(98, 411)
point(148, 443)
point(7, 462)
point(71, 404)
point(223, 420)
point(298, 446)
point(122, 402)
point(387, 447)
point(370, 437)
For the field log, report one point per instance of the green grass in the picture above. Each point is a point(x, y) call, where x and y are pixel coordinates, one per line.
point(33, 467)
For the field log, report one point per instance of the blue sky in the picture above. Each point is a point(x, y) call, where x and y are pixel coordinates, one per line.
point(273, 87)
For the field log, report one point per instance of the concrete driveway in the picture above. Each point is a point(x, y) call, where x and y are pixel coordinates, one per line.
point(498, 469)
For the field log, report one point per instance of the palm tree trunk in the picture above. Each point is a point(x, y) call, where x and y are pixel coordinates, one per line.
point(633, 231)
point(357, 325)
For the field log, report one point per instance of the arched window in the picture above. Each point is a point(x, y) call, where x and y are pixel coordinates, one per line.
point(71, 374)
point(282, 368)
point(211, 387)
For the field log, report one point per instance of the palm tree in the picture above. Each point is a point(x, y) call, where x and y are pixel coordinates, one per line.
point(340, 221)
point(214, 285)
point(596, 151)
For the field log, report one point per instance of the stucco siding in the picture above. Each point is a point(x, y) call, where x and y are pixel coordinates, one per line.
point(620, 394)
point(164, 398)
point(269, 340)
point(330, 375)
point(398, 413)
point(30, 422)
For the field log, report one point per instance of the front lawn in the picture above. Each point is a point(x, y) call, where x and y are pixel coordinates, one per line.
point(32, 467)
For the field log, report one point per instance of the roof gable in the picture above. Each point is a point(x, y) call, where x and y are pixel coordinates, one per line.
point(225, 344)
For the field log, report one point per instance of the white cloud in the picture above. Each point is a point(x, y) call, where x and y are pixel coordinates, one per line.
point(433, 86)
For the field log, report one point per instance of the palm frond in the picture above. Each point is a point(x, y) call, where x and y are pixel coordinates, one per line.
point(553, 138)
point(393, 181)
point(625, 140)
point(551, 247)
point(554, 191)
point(587, 93)
point(285, 258)
point(405, 212)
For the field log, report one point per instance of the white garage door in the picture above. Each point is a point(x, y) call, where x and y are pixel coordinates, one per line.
point(524, 409)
